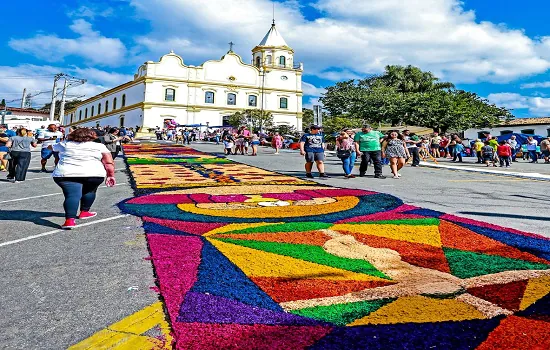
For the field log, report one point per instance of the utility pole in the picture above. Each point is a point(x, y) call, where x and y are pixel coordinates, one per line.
point(23, 99)
point(62, 108)
point(54, 95)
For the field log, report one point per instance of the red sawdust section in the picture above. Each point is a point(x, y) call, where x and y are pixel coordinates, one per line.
point(518, 333)
point(311, 237)
point(197, 228)
point(285, 289)
point(207, 336)
point(507, 295)
point(417, 254)
point(458, 237)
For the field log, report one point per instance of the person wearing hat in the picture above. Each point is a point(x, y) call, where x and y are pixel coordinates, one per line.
point(367, 145)
point(312, 146)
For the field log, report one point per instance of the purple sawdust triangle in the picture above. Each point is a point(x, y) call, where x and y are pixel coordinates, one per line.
point(196, 228)
point(207, 308)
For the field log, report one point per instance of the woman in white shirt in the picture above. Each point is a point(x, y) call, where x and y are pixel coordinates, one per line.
point(83, 165)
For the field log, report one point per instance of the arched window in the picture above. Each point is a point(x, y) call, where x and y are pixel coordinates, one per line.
point(106, 106)
point(258, 61)
point(122, 121)
point(548, 132)
point(72, 116)
point(282, 61)
point(92, 112)
point(252, 100)
point(208, 97)
point(169, 95)
point(283, 103)
point(114, 103)
point(268, 59)
point(506, 132)
point(86, 113)
point(80, 115)
point(528, 131)
point(231, 99)
point(99, 108)
point(123, 101)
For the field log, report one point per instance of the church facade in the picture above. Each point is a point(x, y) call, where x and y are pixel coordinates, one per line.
point(207, 94)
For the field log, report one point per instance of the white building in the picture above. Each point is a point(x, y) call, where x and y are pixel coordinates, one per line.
point(532, 126)
point(205, 94)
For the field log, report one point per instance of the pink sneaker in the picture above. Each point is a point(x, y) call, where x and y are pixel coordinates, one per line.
point(87, 214)
point(69, 224)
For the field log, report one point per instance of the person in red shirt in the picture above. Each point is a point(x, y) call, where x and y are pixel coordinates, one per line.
point(504, 152)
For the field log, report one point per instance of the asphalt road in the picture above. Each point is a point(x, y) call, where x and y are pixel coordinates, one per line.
point(62, 287)
point(522, 204)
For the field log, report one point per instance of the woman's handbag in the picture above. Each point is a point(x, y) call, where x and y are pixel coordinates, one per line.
point(7, 156)
point(343, 153)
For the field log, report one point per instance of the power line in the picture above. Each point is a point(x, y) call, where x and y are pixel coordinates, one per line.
point(29, 77)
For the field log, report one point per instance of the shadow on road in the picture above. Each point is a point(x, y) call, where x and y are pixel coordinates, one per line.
point(514, 216)
point(36, 217)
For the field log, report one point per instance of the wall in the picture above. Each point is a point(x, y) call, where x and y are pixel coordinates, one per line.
point(541, 130)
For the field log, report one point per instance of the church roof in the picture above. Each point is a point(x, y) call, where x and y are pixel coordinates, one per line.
point(273, 38)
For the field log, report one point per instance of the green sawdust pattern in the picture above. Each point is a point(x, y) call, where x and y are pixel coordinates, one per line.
point(310, 253)
point(342, 314)
point(465, 264)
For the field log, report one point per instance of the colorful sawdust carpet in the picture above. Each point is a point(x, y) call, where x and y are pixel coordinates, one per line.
point(248, 258)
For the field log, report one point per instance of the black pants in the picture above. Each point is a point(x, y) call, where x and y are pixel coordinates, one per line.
point(78, 190)
point(376, 157)
point(415, 155)
point(18, 165)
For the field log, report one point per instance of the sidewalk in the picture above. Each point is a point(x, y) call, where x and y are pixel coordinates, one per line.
point(522, 169)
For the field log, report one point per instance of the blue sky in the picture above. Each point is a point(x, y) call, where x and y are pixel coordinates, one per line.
point(497, 48)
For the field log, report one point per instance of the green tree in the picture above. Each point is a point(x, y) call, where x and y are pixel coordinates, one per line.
point(252, 117)
point(68, 106)
point(3, 103)
point(307, 118)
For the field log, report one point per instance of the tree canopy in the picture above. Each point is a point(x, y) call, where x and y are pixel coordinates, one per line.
point(252, 117)
point(410, 96)
point(68, 106)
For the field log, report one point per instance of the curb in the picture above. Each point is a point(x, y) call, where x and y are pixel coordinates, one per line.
point(533, 176)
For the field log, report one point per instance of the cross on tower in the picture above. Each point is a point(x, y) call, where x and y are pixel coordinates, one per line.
point(231, 44)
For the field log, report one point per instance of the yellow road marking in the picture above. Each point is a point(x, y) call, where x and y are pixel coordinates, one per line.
point(128, 332)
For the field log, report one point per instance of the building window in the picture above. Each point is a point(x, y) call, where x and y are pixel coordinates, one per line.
point(72, 116)
point(123, 101)
point(80, 115)
point(528, 131)
point(169, 95)
point(282, 61)
point(283, 103)
point(208, 97)
point(86, 113)
point(106, 106)
point(268, 59)
point(122, 122)
point(114, 103)
point(506, 132)
point(252, 100)
point(258, 61)
point(92, 112)
point(231, 99)
point(548, 132)
point(99, 108)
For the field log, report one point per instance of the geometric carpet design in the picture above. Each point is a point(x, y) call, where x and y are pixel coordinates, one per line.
point(249, 258)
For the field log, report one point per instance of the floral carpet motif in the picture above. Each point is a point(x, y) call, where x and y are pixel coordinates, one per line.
point(248, 258)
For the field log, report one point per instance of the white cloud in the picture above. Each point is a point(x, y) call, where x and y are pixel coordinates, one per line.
point(40, 79)
point(90, 45)
point(359, 37)
point(91, 12)
point(536, 105)
point(542, 84)
point(312, 90)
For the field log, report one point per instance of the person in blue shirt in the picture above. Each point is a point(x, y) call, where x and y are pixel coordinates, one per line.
point(11, 133)
point(312, 146)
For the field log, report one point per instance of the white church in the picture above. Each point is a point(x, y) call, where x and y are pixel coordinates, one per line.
point(206, 95)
